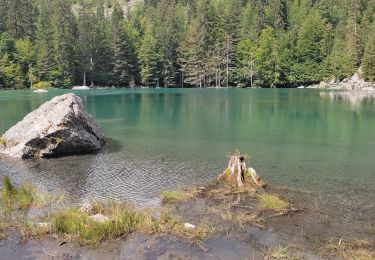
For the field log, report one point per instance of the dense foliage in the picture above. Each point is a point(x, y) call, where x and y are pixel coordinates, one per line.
point(184, 43)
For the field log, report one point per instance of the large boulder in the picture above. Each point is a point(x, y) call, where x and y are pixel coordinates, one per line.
point(59, 127)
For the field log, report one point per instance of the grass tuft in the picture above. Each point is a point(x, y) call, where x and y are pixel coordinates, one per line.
point(16, 198)
point(281, 253)
point(3, 142)
point(357, 250)
point(78, 225)
point(175, 196)
point(250, 219)
point(30, 230)
point(272, 202)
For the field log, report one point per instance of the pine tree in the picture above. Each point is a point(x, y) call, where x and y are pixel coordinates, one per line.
point(44, 46)
point(342, 62)
point(64, 41)
point(368, 61)
point(149, 58)
point(20, 20)
point(169, 38)
point(121, 49)
point(102, 70)
point(311, 50)
point(267, 61)
point(86, 40)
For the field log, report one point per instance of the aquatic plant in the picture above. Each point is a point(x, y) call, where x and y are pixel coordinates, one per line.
point(15, 198)
point(76, 224)
point(123, 218)
point(272, 202)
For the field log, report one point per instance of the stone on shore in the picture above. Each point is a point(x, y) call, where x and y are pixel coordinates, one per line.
point(59, 127)
point(80, 88)
point(40, 91)
point(353, 83)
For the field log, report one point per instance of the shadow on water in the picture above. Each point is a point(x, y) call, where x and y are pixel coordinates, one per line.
point(112, 146)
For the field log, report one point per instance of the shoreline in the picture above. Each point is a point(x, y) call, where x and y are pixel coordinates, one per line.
point(230, 219)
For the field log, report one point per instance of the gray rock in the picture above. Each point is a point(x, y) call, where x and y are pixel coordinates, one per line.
point(60, 126)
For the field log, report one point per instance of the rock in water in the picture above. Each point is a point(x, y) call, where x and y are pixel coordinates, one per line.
point(60, 126)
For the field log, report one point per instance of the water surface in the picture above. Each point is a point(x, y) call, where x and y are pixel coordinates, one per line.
point(319, 142)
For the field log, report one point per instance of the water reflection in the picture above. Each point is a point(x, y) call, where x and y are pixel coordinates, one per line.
point(354, 98)
point(163, 139)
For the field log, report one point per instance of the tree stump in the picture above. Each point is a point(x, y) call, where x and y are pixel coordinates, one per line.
point(237, 171)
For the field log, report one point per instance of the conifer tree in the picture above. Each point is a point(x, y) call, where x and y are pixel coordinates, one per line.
point(311, 49)
point(44, 46)
point(64, 42)
point(267, 59)
point(20, 18)
point(368, 61)
point(149, 58)
point(121, 49)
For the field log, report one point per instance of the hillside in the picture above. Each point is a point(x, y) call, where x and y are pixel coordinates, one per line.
point(195, 43)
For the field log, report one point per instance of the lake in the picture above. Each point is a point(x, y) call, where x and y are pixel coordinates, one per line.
point(318, 143)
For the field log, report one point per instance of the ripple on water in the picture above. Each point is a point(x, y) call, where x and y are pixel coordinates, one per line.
point(138, 177)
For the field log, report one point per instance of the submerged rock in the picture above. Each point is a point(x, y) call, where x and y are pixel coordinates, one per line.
point(80, 88)
point(60, 126)
point(40, 91)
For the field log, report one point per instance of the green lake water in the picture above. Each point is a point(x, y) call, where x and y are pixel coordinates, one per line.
point(321, 143)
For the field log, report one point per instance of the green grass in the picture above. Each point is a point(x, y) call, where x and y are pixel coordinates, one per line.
point(124, 218)
point(16, 198)
point(73, 224)
point(3, 141)
point(272, 202)
point(78, 225)
point(175, 196)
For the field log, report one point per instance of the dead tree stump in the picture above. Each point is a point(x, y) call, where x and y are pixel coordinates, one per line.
point(238, 171)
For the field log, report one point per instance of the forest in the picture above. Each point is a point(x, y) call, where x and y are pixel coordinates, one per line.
point(184, 43)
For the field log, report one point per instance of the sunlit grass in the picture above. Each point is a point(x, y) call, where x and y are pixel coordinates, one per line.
point(175, 196)
point(272, 202)
point(2, 141)
point(16, 198)
point(354, 250)
point(78, 225)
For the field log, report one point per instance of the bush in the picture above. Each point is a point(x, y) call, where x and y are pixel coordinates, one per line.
point(42, 85)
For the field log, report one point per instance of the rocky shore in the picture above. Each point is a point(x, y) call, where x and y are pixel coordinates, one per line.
point(355, 83)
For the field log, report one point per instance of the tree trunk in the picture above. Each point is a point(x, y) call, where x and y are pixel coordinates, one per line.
point(92, 71)
point(84, 78)
point(237, 163)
